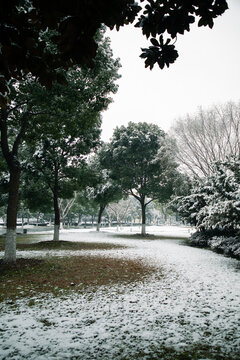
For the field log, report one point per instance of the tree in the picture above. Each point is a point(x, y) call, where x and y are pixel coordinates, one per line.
point(74, 24)
point(55, 165)
point(140, 158)
point(189, 206)
point(104, 189)
point(123, 210)
point(65, 117)
point(4, 178)
point(3, 187)
point(83, 206)
point(34, 194)
point(206, 137)
point(13, 123)
point(65, 206)
point(222, 210)
point(214, 203)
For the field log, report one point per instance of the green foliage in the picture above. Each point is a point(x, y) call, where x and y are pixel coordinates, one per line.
point(34, 194)
point(75, 108)
point(140, 160)
point(61, 126)
point(73, 26)
point(84, 205)
point(105, 190)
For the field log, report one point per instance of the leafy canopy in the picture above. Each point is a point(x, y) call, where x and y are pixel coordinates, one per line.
point(73, 25)
point(140, 159)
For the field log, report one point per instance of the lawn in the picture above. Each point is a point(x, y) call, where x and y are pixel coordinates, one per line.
point(119, 296)
point(52, 274)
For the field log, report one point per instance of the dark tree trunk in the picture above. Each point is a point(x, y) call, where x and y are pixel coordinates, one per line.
point(10, 243)
point(22, 218)
point(101, 210)
point(143, 208)
point(14, 167)
point(13, 198)
point(79, 219)
point(56, 215)
point(38, 214)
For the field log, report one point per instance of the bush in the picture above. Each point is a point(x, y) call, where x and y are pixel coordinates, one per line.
point(223, 242)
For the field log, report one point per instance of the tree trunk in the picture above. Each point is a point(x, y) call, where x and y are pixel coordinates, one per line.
point(100, 217)
point(143, 207)
point(117, 218)
point(56, 232)
point(57, 216)
point(14, 166)
point(22, 219)
point(79, 219)
point(10, 243)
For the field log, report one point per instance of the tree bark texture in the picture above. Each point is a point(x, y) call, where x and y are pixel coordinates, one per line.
point(143, 207)
point(56, 216)
point(56, 232)
point(10, 243)
point(11, 156)
point(100, 217)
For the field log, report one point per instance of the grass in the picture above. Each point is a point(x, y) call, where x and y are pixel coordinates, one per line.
point(191, 352)
point(26, 238)
point(31, 277)
point(149, 237)
point(66, 245)
point(53, 274)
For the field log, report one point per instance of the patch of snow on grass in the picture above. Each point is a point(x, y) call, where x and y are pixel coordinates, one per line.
point(195, 303)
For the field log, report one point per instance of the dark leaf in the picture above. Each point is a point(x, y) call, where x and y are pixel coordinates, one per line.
point(154, 42)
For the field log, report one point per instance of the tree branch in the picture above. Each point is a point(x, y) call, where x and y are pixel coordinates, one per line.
point(16, 107)
point(21, 133)
point(134, 195)
point(4, 137)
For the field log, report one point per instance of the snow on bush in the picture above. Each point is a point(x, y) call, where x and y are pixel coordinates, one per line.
point(214, 202)
point(223, 244)
point(226, 245)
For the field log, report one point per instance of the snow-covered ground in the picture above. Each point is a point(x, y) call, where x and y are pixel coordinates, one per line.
point(193, 301)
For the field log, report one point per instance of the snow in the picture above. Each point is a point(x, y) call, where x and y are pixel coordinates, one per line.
point(192, 299)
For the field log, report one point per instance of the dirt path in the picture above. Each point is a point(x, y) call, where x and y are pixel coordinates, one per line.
point(189, 310)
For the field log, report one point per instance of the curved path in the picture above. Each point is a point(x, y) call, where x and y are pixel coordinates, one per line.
point(189, 310)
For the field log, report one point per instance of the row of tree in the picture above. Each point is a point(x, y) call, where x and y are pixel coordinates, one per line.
point(83, 212)
point(211, 196)
point(47, 138)
point(46, 135)
point(62, 44)
point(139, 164)
point(140, 161)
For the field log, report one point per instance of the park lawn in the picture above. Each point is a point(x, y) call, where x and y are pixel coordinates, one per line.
point(53, 274)
point(151, 237)
point(184, 307)
point(63, 245)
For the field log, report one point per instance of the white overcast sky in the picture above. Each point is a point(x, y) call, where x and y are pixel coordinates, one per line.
point(206, 72)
